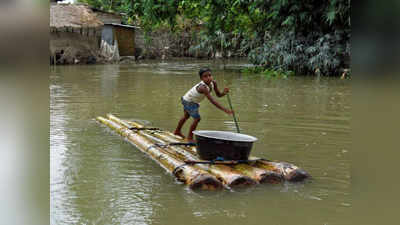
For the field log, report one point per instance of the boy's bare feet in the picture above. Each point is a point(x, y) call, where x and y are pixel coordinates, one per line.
point(191, 140)
point(179, 134)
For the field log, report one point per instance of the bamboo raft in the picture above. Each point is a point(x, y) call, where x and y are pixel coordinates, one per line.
point(169, 151)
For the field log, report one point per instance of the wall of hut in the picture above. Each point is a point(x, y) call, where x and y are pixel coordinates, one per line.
point(108, 46)
point(75, 45)
point(126, 40)
point(75, 34)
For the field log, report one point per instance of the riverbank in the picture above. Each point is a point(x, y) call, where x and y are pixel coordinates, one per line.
point(163, 44)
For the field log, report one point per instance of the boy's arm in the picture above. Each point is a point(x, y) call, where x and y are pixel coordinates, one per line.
point(217, 92)
point(202, 89)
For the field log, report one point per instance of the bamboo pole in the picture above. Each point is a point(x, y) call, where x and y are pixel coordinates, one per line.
point(228, 175)
point(194, 177)
point(276, 172)
point(288, 171)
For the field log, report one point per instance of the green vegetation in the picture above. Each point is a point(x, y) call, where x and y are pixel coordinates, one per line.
point(304, 36)
point(268, 72)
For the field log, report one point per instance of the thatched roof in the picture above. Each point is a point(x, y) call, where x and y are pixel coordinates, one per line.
point(72, 15)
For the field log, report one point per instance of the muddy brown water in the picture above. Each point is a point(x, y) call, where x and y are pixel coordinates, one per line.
point(97, 178)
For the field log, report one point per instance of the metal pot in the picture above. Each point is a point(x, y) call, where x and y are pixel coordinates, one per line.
point(228, 145)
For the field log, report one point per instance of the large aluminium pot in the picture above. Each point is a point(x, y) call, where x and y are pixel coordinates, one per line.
point(228, 145)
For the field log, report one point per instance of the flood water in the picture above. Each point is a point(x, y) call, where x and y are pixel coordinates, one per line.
point(98, 178)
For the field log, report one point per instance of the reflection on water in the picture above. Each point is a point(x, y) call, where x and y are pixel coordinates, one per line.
point(97, 178)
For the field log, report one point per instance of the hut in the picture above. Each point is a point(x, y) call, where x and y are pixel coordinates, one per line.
point(75, 34)
point(117, 39)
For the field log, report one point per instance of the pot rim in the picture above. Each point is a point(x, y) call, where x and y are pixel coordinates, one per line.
point(230, 136)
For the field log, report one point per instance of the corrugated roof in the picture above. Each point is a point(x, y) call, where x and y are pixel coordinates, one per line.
point(122, 25)
point(72, 15)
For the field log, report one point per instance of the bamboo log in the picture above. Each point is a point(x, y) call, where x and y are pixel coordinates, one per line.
point(194, 177)
point(276, 172)
point(288, 171)
point(228, 175)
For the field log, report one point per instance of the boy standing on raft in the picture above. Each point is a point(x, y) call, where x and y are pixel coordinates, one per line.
point(194, 96)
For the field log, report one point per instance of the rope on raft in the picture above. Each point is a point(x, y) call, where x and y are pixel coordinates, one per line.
point(143, 128)
point(219, 161)
point(171, 144)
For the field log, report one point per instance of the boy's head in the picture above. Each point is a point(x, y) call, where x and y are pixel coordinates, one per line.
point(205, 75)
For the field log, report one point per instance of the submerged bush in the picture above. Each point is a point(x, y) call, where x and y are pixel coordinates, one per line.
point(268, 72)
point(315, 53)
point(219, 42)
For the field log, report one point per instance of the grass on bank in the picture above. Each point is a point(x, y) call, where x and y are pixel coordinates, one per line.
point(268, 72)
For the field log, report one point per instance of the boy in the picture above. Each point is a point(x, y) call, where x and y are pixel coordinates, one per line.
point(194, 96)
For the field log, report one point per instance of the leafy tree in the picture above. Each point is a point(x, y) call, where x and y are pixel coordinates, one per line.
point(299, 35)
